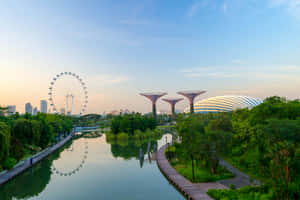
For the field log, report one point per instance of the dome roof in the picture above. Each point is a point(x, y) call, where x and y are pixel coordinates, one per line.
point(225, 103)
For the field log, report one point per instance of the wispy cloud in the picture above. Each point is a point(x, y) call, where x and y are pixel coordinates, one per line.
point(195, 7)
point(224, 7)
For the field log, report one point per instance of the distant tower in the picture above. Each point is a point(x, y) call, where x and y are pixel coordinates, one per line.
point(172, 102)
point(44, 106)
point(28, 108)
point(11, 110)
point(191, 95)
point(153, 97)
point(67, 104)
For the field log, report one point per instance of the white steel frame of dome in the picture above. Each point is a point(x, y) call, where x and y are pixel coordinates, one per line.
point(57, 77)
point(225, 103)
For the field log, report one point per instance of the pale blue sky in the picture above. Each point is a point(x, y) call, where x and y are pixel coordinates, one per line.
point(123, 47)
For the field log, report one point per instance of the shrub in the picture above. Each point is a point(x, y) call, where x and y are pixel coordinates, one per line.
point(122, 136)
point(138, 134)
point(9, 163)
point(232, 186)
point(171, 152)
point(110, 136)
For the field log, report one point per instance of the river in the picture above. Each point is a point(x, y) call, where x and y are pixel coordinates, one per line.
point(92, 168)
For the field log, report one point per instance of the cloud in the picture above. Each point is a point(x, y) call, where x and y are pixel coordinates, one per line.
point(195, 7)
point(224, 8)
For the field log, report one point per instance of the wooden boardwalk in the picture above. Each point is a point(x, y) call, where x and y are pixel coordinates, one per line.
point(21, 167)
point(195, 191)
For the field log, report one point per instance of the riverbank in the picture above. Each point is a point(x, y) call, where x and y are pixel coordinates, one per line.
point(199, 190)
point(24, 165)
point(190, 190)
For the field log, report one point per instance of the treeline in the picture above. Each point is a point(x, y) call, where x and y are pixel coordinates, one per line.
point(263, 141)
point(21, 136)
point(130, 123)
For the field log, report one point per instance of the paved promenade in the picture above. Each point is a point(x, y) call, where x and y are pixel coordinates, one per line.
point(197, 191)
point(26, 163)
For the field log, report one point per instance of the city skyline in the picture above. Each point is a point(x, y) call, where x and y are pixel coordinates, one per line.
point(122, 49)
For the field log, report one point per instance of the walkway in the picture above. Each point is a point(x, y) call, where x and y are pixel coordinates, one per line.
point(191, 190)
point(197, 191)
point(4, 177)
point(240, 179)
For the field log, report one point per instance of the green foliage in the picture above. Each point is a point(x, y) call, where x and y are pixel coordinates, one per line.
point(201, 173)
point(22, 136)
point(244, 193)
point(122, 137)
point(129, 123)
point(4, 141)
point(9, 163)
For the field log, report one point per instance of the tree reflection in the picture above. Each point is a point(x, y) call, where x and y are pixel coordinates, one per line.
point(33, 181)
point(133, 149)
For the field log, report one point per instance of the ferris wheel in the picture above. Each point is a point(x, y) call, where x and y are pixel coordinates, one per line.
point(81, 86)
point(70, 172)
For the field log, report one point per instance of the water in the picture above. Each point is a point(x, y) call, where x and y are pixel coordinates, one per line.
point(91, 168)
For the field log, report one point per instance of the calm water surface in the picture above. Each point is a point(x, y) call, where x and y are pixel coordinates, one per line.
point(91, 168)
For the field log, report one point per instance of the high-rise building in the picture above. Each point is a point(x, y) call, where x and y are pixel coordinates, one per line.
point(35, 111)
point(28, 108)
point(43, 106)
point(11, 110)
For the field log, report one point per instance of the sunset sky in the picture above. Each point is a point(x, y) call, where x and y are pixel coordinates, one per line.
point(123, 47)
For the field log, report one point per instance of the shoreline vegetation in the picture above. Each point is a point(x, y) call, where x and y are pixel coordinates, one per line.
point(133, 126)
point(24, 136)
point(263, 142)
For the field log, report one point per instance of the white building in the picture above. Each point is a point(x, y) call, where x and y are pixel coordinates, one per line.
point(43, 106)
point(11, 110)
point(28, 108)
point(35, 111)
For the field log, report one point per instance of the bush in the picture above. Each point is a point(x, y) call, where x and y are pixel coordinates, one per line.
point(171, 152)
point(110, 136)
point(232, 186)
point(9, 163)
point(244, 193)
point(138, 134)
point(122, 136)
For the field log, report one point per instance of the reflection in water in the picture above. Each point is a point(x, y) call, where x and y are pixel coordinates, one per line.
point(39, 176)
point(76, 168)
point(132, 148)
point(118, 178)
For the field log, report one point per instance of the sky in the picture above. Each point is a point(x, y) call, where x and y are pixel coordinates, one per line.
point(121, 48)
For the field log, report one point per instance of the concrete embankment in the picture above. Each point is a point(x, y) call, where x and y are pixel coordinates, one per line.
point(23, 165)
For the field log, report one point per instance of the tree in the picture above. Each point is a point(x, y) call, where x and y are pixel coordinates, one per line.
point(191, 132)
point(4, 141)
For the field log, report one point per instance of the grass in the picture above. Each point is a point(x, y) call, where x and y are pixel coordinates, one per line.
point(244, 193)
point(247, 171)
point(202, 174)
